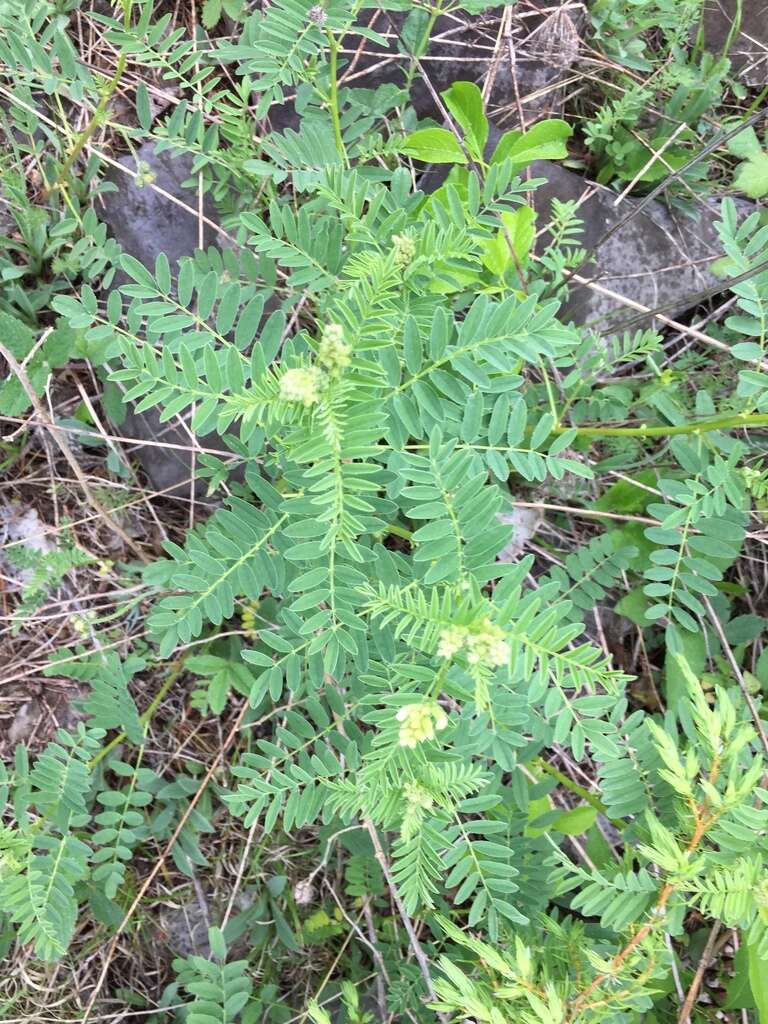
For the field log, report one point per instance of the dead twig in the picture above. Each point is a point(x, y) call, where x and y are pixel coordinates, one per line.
point(61, 440)
point(693, 991)
point(413, 939)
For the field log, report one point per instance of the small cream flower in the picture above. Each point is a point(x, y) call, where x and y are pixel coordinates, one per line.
point(484, 644)
point(81, 622)
point(404, 249)
point(452, 640)
point(334, 352)
point(301, 384)
point(488, 646)
point(417, 796)
point(419, 722)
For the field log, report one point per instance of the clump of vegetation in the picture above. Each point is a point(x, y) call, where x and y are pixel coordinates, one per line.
point(386, 753)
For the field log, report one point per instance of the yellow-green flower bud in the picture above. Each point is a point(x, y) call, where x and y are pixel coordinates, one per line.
point(334, 353)
point(419, 722)
point(301, 384)
point(144, 174)
point(417, 796)
point(248, 620)
point(404, 249)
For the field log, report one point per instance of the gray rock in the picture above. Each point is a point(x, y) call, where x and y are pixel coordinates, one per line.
point(520, 62)
point(538, 51)
point(522, 54)
point(658, 258)
point(185, 929)
point(145, 223)
point(748, 52)
point(168, 469)
point(143, 220)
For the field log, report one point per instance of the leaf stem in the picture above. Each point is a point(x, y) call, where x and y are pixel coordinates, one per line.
point(333, 96)
point(700, 427)
point(399, 531)
point(100, 110)
point(146, 717)
point(577, 790)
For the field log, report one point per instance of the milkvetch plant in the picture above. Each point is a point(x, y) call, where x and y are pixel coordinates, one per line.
point(391, 372)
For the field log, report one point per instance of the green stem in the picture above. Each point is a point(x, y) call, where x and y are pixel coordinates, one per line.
point(333, 97)
point(700, 427)
point(145, 718)
point(101, 108)
point(734, 30)
point(576, 789)
point(756, 103)
point(399, 531)
point(550, 395)
point(421, 47)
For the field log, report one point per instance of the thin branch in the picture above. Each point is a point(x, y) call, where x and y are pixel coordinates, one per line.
point(418, 952)
point(753, 708)
point(693, 991)
point(61, 440)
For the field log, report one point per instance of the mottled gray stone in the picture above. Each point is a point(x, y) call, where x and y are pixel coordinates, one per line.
point(144, 221)
point(658, 258)
point(748, 52)
point(533, 62)
point(520, 62)
point(185, 930)
point(522, 53)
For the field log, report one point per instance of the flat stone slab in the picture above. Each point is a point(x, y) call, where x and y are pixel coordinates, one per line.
point(657, 258)
point(143, 220)
point(145, 223)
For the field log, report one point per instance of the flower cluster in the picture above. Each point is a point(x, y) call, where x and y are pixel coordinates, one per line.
point(419, 722)
point(484, 643)
point(302, 384)
point(417, 796)
point(418, 801)
point(452, 640)
point(81, 622)
point(144, 174)
point(334, 352)
point(404, 249)
point(248, 620)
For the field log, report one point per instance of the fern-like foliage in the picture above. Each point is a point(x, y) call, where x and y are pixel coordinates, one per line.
point(41, 866)
point(219, 989)
point(109, 703)
point(123, 826)
point(388, 367)
point(287, 776)
point(591, 570)
point(700, 531)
